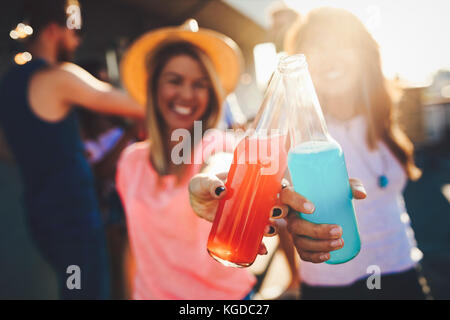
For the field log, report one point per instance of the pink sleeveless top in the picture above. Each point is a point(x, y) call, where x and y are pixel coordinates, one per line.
point(168, 240)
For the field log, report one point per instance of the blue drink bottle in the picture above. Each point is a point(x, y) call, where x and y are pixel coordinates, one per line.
point(316, 161)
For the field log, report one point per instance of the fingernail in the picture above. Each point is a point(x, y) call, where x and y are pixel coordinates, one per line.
point(219, 190)
point(277, 212)
point(271, 230)
point(324, 257)
point(360, 188)
point(265, 252)
point(336, 243)
point(308, 206)
point(335, 231)
point(283, 185)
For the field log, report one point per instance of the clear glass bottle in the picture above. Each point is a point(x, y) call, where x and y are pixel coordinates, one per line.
point(253, 183)
point(316, 162)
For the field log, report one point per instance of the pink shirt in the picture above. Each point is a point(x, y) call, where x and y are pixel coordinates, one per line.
point(167, 238)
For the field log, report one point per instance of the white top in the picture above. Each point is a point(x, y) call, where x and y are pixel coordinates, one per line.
point(387, 240)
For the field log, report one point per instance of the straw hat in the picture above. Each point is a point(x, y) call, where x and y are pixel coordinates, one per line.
point(224, 53)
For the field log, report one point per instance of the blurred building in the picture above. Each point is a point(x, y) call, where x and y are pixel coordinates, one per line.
point(424, 112)
point(437, 107)
point(411, 114)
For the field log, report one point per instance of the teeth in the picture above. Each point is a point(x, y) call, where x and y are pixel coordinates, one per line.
point(183, 110)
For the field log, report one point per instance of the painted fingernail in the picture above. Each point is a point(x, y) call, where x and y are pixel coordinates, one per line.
point(308, 206)
point(360, 188)
point(271, 230)
point(336, 243)
point(283, 185)
point(219, 190)
point(336, 231)
point(324, 257)
point(276, 212)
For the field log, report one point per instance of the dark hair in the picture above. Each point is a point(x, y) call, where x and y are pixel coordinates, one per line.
point(40, 13)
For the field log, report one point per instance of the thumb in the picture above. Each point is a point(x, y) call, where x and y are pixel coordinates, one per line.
point(207, 187)
point(357, 189)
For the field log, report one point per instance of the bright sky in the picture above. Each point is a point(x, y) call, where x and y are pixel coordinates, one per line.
point(414, 35)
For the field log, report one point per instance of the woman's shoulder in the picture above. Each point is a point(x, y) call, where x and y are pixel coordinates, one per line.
point(135, 152)
point(131, 159)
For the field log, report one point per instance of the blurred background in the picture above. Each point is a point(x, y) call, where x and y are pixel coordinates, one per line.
point(415, 45)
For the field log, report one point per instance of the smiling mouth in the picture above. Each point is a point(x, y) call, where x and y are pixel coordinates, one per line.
point(182, 110)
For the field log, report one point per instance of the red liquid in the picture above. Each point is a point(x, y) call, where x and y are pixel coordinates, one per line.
point(253, 184)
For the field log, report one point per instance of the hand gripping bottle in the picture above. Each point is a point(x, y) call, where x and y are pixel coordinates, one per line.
point(253, 183)
point(316, 162)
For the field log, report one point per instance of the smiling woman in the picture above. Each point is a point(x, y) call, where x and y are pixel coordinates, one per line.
point(345, 65)
point(183, 93)
point(187, 73)
point(182, 88)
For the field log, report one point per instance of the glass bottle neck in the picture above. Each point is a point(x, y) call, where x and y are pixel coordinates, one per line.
point(272, 118)
point(306, 120)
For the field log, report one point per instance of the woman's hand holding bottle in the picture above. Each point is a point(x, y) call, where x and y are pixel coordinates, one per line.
point(313, 242)
point(205, 191)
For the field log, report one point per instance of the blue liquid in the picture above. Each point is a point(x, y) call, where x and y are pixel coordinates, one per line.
point(319, 173)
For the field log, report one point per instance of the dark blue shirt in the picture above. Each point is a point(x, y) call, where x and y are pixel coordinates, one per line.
point(57, 178)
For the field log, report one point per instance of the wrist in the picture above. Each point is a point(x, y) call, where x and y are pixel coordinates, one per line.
point(295, 281)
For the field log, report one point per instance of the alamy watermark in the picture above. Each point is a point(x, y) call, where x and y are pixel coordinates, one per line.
point(373, 282)
point(74, 280)
point(263, 147)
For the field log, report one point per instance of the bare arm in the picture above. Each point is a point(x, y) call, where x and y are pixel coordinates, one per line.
point(75, 86)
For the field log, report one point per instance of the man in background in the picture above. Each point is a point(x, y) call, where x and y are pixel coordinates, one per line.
point(282, 18)
point(41, 129)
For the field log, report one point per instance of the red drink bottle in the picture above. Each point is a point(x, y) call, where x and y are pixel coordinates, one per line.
point(253, 183)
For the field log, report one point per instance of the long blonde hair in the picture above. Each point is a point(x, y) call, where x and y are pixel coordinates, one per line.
point(156, 128)
point(375, 93)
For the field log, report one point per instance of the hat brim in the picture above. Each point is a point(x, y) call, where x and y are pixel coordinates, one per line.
point(223, 52)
